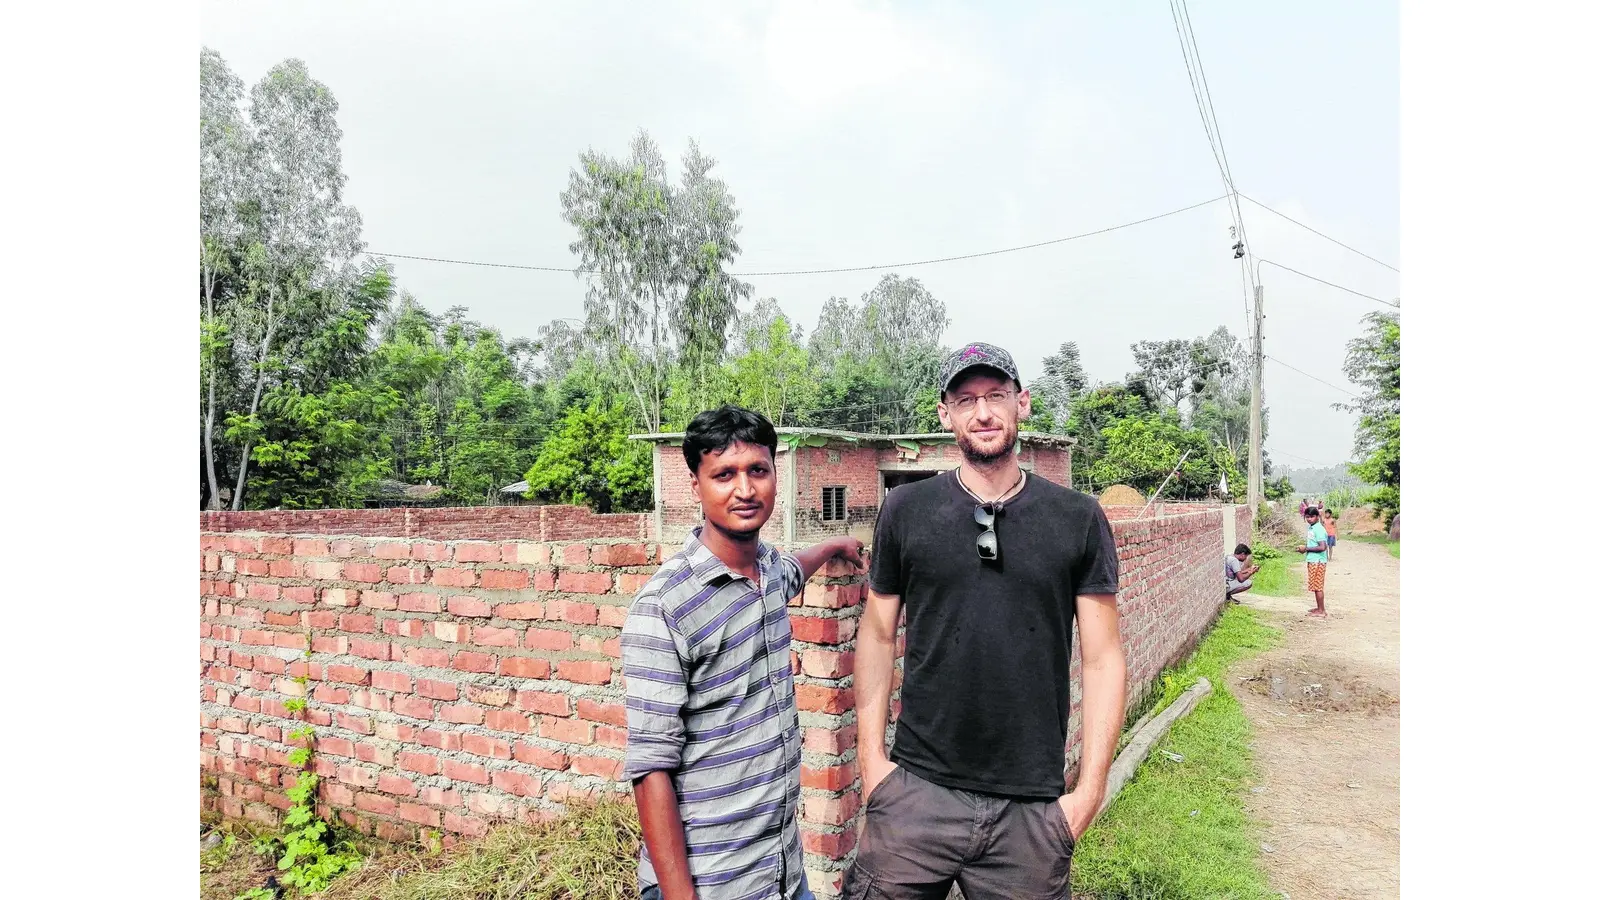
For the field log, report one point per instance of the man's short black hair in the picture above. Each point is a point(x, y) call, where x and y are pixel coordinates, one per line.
point(1242, 548)
point(714, 430)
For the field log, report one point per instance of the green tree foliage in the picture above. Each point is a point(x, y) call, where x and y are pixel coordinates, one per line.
point(877, 361)
point(313, 434)
point(655, 255)
point(321, 381)
point(1142, 451)
point(1280, 488)
point(1372, 361)
point(278, 249)
point(472, 419)
point(590, 461)
point(1054, 392)
point(773, 375)
point(1096, 410)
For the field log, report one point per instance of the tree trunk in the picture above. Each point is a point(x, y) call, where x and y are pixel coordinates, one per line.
point(255, 402)
point(215, 501)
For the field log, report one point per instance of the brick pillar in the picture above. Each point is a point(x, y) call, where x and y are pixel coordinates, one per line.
point(824, 619)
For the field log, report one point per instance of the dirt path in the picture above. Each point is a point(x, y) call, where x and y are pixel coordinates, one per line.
point(1326, 709)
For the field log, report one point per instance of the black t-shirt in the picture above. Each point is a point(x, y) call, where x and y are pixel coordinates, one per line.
point(984, 702)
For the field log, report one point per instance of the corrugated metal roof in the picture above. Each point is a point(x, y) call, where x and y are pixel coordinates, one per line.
point(1027, 437)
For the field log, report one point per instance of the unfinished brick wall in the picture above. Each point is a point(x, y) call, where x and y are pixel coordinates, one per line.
point(454, 683)
point(856, 467)
point(856, 471)
point(527, 523)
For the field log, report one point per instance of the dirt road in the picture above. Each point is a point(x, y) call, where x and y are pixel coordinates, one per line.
point(1326, 709)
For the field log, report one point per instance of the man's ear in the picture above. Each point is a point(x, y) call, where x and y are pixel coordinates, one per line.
point(694, 486)
point(1024, 404)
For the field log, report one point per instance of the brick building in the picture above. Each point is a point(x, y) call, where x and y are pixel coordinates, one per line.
point(833, 482)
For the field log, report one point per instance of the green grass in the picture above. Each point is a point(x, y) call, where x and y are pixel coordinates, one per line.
point(1280, 576)
point(1179, 830)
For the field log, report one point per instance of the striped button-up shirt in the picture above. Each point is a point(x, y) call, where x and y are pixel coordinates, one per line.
point(705, 652)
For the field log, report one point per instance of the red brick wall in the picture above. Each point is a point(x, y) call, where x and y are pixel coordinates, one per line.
point(675, 502)
point(1054, 464)
point(457, 682)
point(854, 469)
point(529, 523)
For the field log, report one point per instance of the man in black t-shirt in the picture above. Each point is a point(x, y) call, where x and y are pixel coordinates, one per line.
point(992, 565)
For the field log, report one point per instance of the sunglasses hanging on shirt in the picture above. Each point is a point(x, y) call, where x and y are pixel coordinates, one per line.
point(986, 515)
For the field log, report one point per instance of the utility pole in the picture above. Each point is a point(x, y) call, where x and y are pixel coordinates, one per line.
point(1255, 492)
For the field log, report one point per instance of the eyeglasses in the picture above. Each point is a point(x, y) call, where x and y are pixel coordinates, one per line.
point(967, 402)
point(988, 539)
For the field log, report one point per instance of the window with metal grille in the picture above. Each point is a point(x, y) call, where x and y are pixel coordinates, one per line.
point(833, 504)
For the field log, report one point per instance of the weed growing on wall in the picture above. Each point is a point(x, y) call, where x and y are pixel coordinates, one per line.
point(310, 856)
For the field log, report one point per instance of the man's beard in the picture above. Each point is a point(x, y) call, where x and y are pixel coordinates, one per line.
point(979, 457)
point(738, 537)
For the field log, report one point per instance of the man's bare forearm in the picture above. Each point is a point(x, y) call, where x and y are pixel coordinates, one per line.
point(662, 827)
point(814, 557)
point(874, 672)
point(1105, 681)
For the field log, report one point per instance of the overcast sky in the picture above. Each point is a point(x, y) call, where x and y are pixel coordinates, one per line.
point(862, 133)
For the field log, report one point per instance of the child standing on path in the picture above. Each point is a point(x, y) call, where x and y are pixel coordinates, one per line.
point(1332, 527)
point(1316, 551)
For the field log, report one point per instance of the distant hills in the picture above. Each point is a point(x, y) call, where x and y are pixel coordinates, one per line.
point(1320, 481)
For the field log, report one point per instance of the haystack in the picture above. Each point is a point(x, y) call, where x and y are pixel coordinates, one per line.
point(1121, 495)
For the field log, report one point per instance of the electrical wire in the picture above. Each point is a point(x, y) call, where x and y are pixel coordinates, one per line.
point(1311, 376)
point(1303, 459)
point(1200, 88)
point(1331, 284)
point(1318, 233)
point(901, 265)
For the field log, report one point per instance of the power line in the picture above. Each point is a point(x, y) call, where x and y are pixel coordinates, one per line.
point(902, 265)
point(469, 262)
point(1318, 233)
point(1311, 376)
point(1200, 87)
point(1303, 459)
point(1341, 287)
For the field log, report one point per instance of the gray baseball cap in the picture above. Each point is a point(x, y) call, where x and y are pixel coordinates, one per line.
point(976, 354)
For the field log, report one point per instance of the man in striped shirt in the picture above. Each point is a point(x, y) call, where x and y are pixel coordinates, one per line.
point(713, 731)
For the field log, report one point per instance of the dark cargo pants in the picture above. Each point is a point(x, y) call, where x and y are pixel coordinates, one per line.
point(920, 837)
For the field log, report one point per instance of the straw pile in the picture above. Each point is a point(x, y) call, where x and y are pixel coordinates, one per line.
point(1121, 495)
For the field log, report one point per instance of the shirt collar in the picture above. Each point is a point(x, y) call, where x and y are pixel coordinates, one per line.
point(708, 567)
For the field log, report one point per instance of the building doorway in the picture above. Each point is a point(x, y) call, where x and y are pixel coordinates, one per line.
point(892, 480)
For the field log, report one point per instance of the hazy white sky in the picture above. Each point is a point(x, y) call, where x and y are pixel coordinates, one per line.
point(865, 133)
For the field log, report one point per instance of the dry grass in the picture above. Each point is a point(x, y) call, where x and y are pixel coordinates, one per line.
point(231, 868)
point(588, 854)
